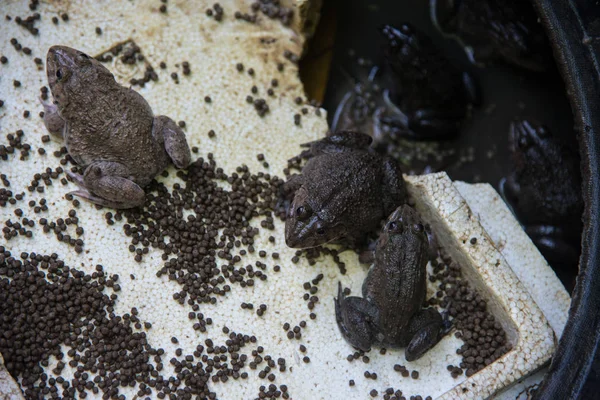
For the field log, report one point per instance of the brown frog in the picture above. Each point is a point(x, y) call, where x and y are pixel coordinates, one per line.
point(430, 96)
point(109, 130)
point(390, 314)
point(544, 191)
point(492, 30)
point(344, 192)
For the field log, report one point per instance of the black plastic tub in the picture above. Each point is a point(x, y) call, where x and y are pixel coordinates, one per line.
point(567, 98)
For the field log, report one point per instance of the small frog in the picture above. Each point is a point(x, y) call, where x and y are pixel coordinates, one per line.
point(544, 190)
point(430, 95)
point(390, 313)
point(492, 30)
point(108, 129)
point(344, 192)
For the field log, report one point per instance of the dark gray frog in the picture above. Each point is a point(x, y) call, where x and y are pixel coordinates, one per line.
point(109, 130)
point(429, 97)
point(544, 192)
point(344, 192)
point(390, 314)
point(492, 30)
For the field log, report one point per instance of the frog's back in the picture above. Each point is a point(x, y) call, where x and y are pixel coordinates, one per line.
point(347, 186)
point(116, 125)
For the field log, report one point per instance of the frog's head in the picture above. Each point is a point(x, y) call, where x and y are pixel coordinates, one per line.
point(304, 227)
point(405, 48)
point(402, 222)
point(72, 73)
point(530, 142)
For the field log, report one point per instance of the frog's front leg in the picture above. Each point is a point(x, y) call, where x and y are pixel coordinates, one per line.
point(394, 188)
point(55, 124)
point(435, 124)
point(425, 329)
point(105, 183)
point(356, 318)
point(174, 140)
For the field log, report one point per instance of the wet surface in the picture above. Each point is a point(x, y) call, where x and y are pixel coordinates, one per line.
point(480, 152)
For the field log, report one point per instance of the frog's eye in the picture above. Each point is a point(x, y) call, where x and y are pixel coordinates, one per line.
point(419, 228)
point(320, 231)
point(395, 227)
point(59, 74)
point(523, 141)
point(303, 212)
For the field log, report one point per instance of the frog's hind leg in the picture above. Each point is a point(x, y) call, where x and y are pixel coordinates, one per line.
point(394, 193)
point(426, 329)
point(104, 183)
point(356, 318)
point(175, 143)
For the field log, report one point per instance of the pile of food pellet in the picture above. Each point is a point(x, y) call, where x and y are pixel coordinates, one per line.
point(194, 295)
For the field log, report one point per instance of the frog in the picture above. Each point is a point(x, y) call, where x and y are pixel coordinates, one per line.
point(544, 191)
point(343, 193)
point(428, 97)
point(495, 30)
point(109, 130)
point(390, 312)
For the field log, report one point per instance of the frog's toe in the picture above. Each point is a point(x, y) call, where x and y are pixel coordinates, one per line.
point(76, 178)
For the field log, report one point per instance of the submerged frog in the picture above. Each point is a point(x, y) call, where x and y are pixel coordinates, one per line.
point(344, 192)
point(390, 313)
point(495, 30)
point(544, 190)
point(430, 95)
point(108, 129)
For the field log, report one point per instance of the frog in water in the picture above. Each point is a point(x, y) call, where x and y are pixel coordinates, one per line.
point(544, 191)
point(506, 30)
point(344, 192)
point(109, 130)
point(390, 314)
point(429, 96)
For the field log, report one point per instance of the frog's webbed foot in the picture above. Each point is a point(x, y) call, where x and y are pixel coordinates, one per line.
point(356, 318)
point(175, 143)
point(55, 124)
point(340, 142)
point(426, 329)
point(103, 183)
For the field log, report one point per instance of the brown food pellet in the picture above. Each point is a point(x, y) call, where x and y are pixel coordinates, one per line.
point(98, 30)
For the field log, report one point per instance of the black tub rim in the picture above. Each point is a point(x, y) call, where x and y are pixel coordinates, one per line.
point(576, 47)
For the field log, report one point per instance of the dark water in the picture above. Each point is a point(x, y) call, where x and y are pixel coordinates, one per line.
point(507, 92)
